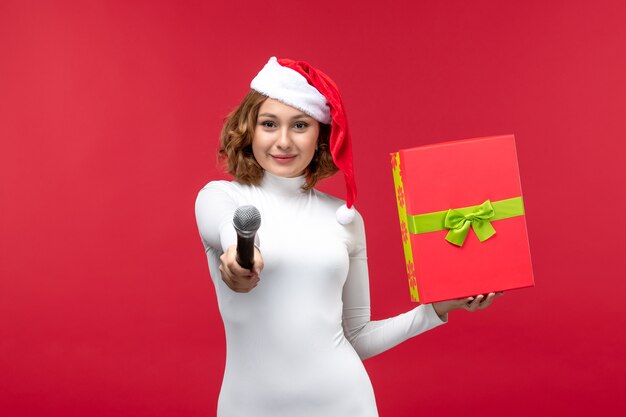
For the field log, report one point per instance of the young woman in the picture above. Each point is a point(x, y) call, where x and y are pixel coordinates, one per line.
point(297, 324)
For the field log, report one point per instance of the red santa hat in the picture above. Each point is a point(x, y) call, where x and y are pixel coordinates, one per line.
point(306, 88)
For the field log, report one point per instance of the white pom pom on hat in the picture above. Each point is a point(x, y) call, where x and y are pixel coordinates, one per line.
point(345, 215)
point(306, 88)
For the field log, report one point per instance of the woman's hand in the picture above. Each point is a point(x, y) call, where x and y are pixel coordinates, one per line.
point(237, 278)
point(479, 302)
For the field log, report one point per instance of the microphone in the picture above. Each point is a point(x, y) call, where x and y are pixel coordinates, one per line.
point(246, 221)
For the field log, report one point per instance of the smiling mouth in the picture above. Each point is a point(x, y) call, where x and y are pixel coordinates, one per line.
point(283, 157)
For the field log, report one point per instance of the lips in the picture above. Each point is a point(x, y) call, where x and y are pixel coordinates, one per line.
point(283, 158)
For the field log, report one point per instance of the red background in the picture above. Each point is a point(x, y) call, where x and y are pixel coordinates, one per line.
point(109, 117)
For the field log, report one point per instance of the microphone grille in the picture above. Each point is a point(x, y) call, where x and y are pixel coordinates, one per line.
point(247, 219)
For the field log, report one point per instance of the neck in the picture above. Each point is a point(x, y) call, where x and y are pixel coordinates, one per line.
point(283, 185)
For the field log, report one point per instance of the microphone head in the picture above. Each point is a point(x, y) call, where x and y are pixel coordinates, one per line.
point(247, 219)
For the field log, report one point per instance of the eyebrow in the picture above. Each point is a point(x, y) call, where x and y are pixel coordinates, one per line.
point(297, 116)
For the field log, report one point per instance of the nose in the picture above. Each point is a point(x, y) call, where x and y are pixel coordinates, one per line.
point(284, 139)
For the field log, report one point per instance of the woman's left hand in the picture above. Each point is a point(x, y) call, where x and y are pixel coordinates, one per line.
point(479, 302)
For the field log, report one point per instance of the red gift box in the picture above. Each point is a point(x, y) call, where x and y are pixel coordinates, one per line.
point(462, 218)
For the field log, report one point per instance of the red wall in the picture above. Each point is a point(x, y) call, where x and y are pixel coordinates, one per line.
point(109, 117)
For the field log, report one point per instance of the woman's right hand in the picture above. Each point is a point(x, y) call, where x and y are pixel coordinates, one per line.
point(237, 278)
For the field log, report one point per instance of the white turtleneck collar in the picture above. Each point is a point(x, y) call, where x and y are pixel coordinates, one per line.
point(289, 187)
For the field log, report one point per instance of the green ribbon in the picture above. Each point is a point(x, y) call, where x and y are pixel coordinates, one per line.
point(459, 224)
point(459, 220)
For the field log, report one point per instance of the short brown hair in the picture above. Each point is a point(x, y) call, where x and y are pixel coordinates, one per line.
point(236, 146)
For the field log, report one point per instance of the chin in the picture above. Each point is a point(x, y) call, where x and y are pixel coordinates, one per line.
point(286, 173)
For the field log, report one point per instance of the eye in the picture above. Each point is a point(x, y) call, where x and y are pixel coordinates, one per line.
point(268, 123)
point(301, 125)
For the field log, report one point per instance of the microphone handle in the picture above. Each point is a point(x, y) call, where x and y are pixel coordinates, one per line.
point(245, 251)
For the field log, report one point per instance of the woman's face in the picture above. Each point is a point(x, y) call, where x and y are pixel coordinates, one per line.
point(284, 139)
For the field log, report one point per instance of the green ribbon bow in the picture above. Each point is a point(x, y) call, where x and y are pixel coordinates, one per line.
point(478, 219)
point(459, 220)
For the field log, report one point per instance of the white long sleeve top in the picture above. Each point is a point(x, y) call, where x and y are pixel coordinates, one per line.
point(294, 344)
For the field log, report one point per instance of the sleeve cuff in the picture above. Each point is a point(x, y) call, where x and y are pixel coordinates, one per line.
point(433, 316)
